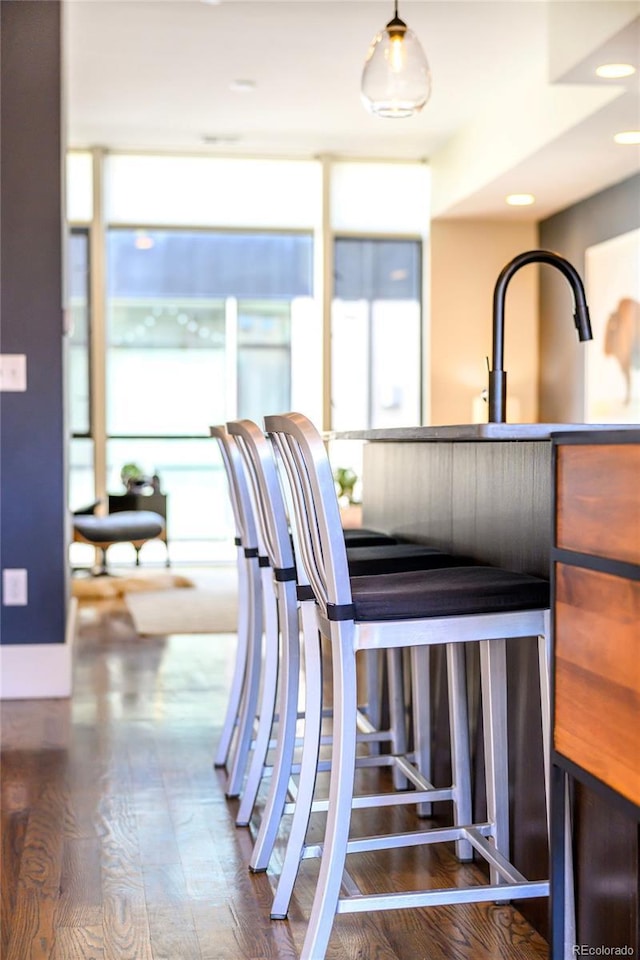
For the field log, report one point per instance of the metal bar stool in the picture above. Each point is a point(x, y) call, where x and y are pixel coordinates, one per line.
point(291, 589)
point(237, 731)
point(265, 609)
point(289, 594)
point(412, 610)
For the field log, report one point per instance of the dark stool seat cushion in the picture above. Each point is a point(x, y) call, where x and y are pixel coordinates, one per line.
point(398, 558)
point(451, 591)
point(127, 526)
point(363, 537)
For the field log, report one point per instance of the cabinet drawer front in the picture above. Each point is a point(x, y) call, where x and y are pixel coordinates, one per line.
point(598, 500)
point(597, 676)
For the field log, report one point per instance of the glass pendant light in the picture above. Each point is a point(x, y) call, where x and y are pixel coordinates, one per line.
point(396, 80)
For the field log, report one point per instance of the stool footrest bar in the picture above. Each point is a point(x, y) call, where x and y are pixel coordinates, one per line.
point(432, 898)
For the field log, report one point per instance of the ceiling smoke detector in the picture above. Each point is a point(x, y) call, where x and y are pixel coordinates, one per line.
point(217, 139)
point(242, 86)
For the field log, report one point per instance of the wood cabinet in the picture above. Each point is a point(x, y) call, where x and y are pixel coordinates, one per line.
point(596, 686)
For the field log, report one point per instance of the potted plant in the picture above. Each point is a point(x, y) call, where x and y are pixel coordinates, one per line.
point(132, 477)
point(345, 479)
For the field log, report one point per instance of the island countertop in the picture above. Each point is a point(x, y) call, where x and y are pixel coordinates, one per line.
point(476, 431)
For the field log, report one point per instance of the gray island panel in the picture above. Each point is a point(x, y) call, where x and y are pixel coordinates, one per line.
point(489, 501)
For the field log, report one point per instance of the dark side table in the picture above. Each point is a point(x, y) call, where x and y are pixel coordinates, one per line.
point(157, 502)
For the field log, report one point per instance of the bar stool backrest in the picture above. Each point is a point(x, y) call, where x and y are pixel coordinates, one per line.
point(258, 457)
point(317, 515)
point(239, 494)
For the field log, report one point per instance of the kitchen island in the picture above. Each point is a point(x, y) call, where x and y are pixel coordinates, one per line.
point(487, 490)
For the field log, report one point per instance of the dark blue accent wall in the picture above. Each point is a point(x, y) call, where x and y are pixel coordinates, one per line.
point(33, 511)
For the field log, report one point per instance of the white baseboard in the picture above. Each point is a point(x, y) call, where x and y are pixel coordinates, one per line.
point(35, 671)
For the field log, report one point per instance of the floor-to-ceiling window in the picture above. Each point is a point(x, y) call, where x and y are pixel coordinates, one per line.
point(376, 333)
point(199, 329)
point(233, 288)
point(379, 219)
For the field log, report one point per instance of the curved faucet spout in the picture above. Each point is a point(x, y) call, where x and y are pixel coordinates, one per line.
point(497, 374)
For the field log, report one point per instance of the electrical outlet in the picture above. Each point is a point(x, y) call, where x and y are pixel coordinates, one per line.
point(14, 588)
point(13, 372)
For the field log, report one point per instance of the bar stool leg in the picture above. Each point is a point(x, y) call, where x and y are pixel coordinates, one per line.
point(336, 836)
point(397, 716)
point(249, 703)
point(308, 762)
point(267, 705)
point(493, 673)
point(544, 667)
point(564, 945)
point(288, 713)
point(420, 658)
point(235, 695)
point(373, 677)
point(459, 735)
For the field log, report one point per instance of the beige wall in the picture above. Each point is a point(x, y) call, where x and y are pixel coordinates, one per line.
point(466, 257)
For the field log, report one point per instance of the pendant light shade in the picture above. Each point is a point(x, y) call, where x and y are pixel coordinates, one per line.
point(396, 80)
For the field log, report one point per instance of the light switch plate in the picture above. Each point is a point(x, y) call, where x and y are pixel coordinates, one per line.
point(13, 372)
point(14, 588)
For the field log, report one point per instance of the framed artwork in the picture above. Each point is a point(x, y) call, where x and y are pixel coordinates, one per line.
point(612, 280)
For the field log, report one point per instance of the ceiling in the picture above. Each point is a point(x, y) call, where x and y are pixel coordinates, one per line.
point(515, 106)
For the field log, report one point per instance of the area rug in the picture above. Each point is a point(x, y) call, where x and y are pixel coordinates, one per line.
point(110, 588)
point(183, 611)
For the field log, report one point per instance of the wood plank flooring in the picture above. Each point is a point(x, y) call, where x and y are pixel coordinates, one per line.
point(118, 842)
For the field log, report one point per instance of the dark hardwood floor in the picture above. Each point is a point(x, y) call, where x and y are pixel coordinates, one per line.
point(118, 843)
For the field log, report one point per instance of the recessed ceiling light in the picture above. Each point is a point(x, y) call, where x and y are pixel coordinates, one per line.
point(615, 71)
point(520, 199)
point(628, 137)
point(242, 86)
